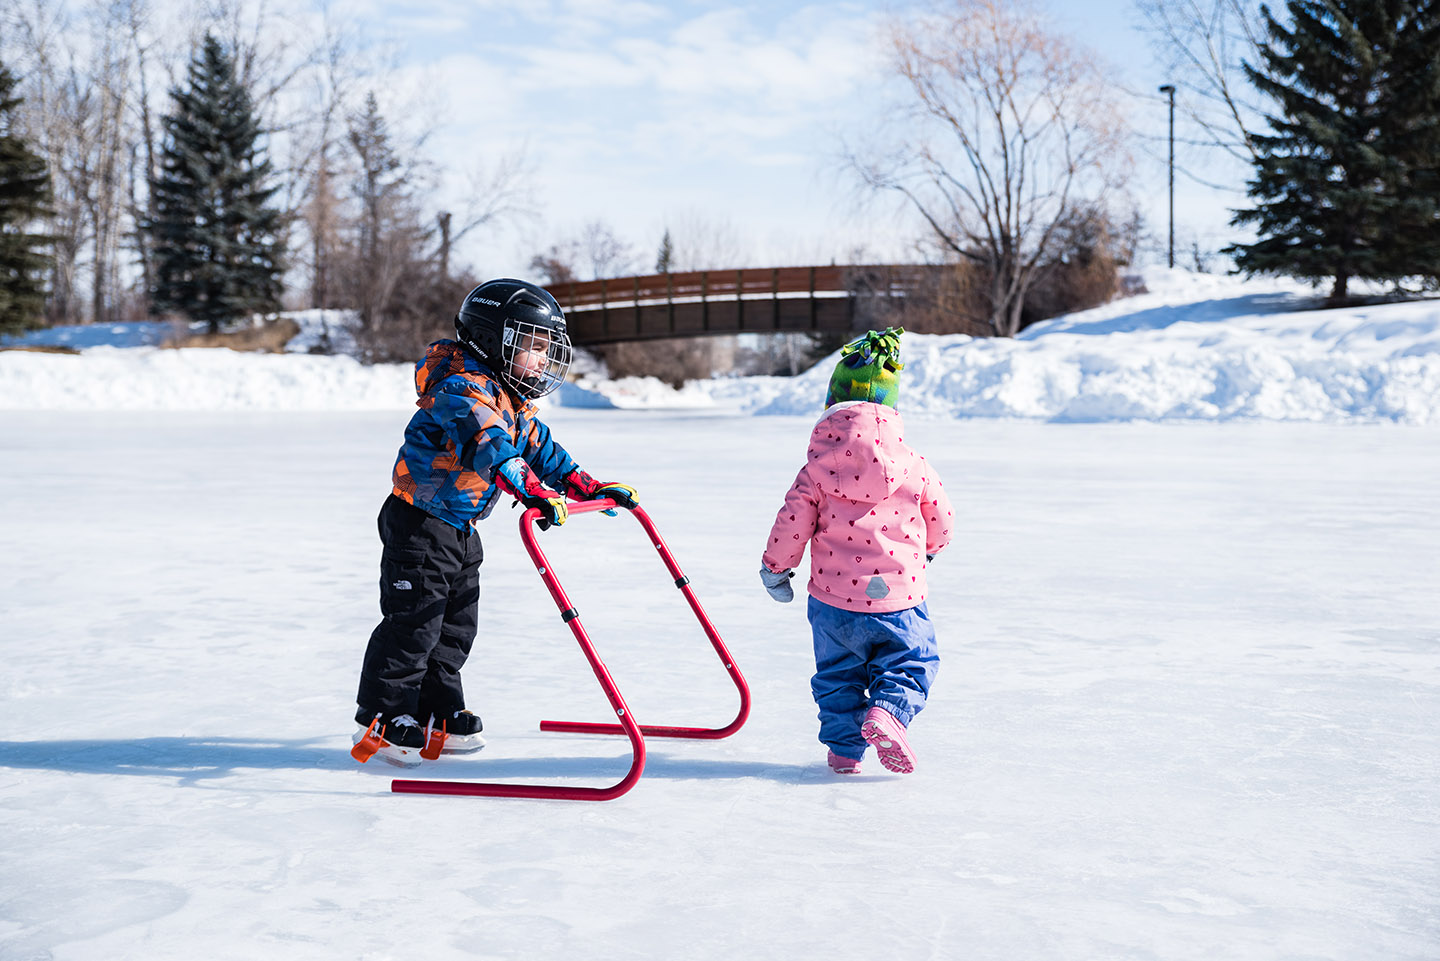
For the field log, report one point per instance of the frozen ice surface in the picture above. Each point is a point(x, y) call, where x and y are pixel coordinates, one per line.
point(1189, 704)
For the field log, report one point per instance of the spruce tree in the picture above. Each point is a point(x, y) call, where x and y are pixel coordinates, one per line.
point(219, 245)
point(1335, 177)
point(24, 194)
point(665, 255)
point(1410, 108)
point(388, 223)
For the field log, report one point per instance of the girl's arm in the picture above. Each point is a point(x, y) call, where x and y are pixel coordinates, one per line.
point(794, 525)
point(939, 517)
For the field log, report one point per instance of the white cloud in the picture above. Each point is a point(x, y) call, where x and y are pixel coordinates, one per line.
point(722, 112)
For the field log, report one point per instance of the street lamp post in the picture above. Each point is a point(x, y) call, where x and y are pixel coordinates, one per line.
point(1170, 89)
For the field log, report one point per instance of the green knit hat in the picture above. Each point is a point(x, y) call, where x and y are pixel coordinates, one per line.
point(869, 369)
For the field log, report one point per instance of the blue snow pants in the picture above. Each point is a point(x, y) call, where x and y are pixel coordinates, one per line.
point(892, 656)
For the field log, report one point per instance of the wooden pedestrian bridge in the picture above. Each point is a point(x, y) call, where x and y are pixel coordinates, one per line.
point(707, 303)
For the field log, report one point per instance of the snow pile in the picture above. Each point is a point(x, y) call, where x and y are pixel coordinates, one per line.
point(645, 393)
point(1234, 352)
point(592, 386)
point(111, 378)
point(1196, 347)
point(324, 331)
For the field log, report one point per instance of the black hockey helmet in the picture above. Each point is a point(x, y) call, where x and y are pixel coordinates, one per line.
point(504, 321)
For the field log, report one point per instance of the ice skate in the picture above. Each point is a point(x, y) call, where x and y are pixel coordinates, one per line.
point(886, 735)
point(396, 740)
point(457, 734)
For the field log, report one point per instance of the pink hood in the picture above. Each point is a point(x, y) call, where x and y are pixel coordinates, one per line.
point(857, 452)
point(868, 507)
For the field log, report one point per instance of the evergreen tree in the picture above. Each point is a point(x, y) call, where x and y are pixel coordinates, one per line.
point(1410, 108)
point(665, 255)
point(24, 193)
point(219, 246)
point(1353, 135)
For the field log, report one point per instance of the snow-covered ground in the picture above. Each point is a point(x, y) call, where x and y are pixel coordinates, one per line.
point(1196, 347)
point(1189, 703)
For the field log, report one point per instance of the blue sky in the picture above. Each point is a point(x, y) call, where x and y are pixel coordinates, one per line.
point(702, 116)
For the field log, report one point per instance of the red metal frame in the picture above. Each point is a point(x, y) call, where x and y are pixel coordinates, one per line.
point(627, 726)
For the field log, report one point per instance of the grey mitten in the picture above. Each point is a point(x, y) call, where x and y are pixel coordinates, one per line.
point(778, 584)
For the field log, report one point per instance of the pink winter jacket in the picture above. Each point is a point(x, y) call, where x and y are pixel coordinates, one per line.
point(869, 508)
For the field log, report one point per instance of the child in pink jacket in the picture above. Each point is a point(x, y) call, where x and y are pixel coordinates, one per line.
point(873, 514)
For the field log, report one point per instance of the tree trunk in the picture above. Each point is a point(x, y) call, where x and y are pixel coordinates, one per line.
point(1340, 291)
point(1013, 311)
point(320, 232)
point(141, 213)
point(320, 290)
point(138, 216)
point(444, 218)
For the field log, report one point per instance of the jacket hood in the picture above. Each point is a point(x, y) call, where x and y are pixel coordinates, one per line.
point(857, 452)
point(445, 358)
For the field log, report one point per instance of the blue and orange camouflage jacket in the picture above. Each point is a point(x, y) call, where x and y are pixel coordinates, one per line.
point(468, 425)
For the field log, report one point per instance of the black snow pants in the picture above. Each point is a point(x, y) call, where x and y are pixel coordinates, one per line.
point(429, 590)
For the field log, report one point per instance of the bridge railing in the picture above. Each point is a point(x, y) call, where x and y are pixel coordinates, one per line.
point(751, 299)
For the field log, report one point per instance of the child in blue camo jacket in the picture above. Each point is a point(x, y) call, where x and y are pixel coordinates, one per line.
point(474, 435)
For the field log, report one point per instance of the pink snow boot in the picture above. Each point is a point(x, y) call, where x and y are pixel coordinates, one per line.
point(841, 765)
point(884, 732)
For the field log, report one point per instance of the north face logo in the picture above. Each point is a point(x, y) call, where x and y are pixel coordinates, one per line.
point(402, 586)
point(876, 588)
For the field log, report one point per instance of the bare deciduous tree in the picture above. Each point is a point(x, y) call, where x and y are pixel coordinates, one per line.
point(94, 76)
point(143, 156)
point(555, 265)
point(102, 169)
point(320, 161)
point(699, 242)
point(1009, 129)
point(92, 70)
point(594, 253)
point(605, 253)
point(496, 192)
point(1203, 43)
point(54, 116)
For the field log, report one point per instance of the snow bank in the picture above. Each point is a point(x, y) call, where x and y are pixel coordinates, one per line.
point(1347, 368)
point(149, 378)
point(330, 331)
point(1196, 347)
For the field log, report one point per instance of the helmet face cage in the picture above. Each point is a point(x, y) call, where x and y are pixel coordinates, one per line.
point(518, 330)
point(533, 357)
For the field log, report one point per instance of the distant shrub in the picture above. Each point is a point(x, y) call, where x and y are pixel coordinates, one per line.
point(269, 337)
point(419, 310)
